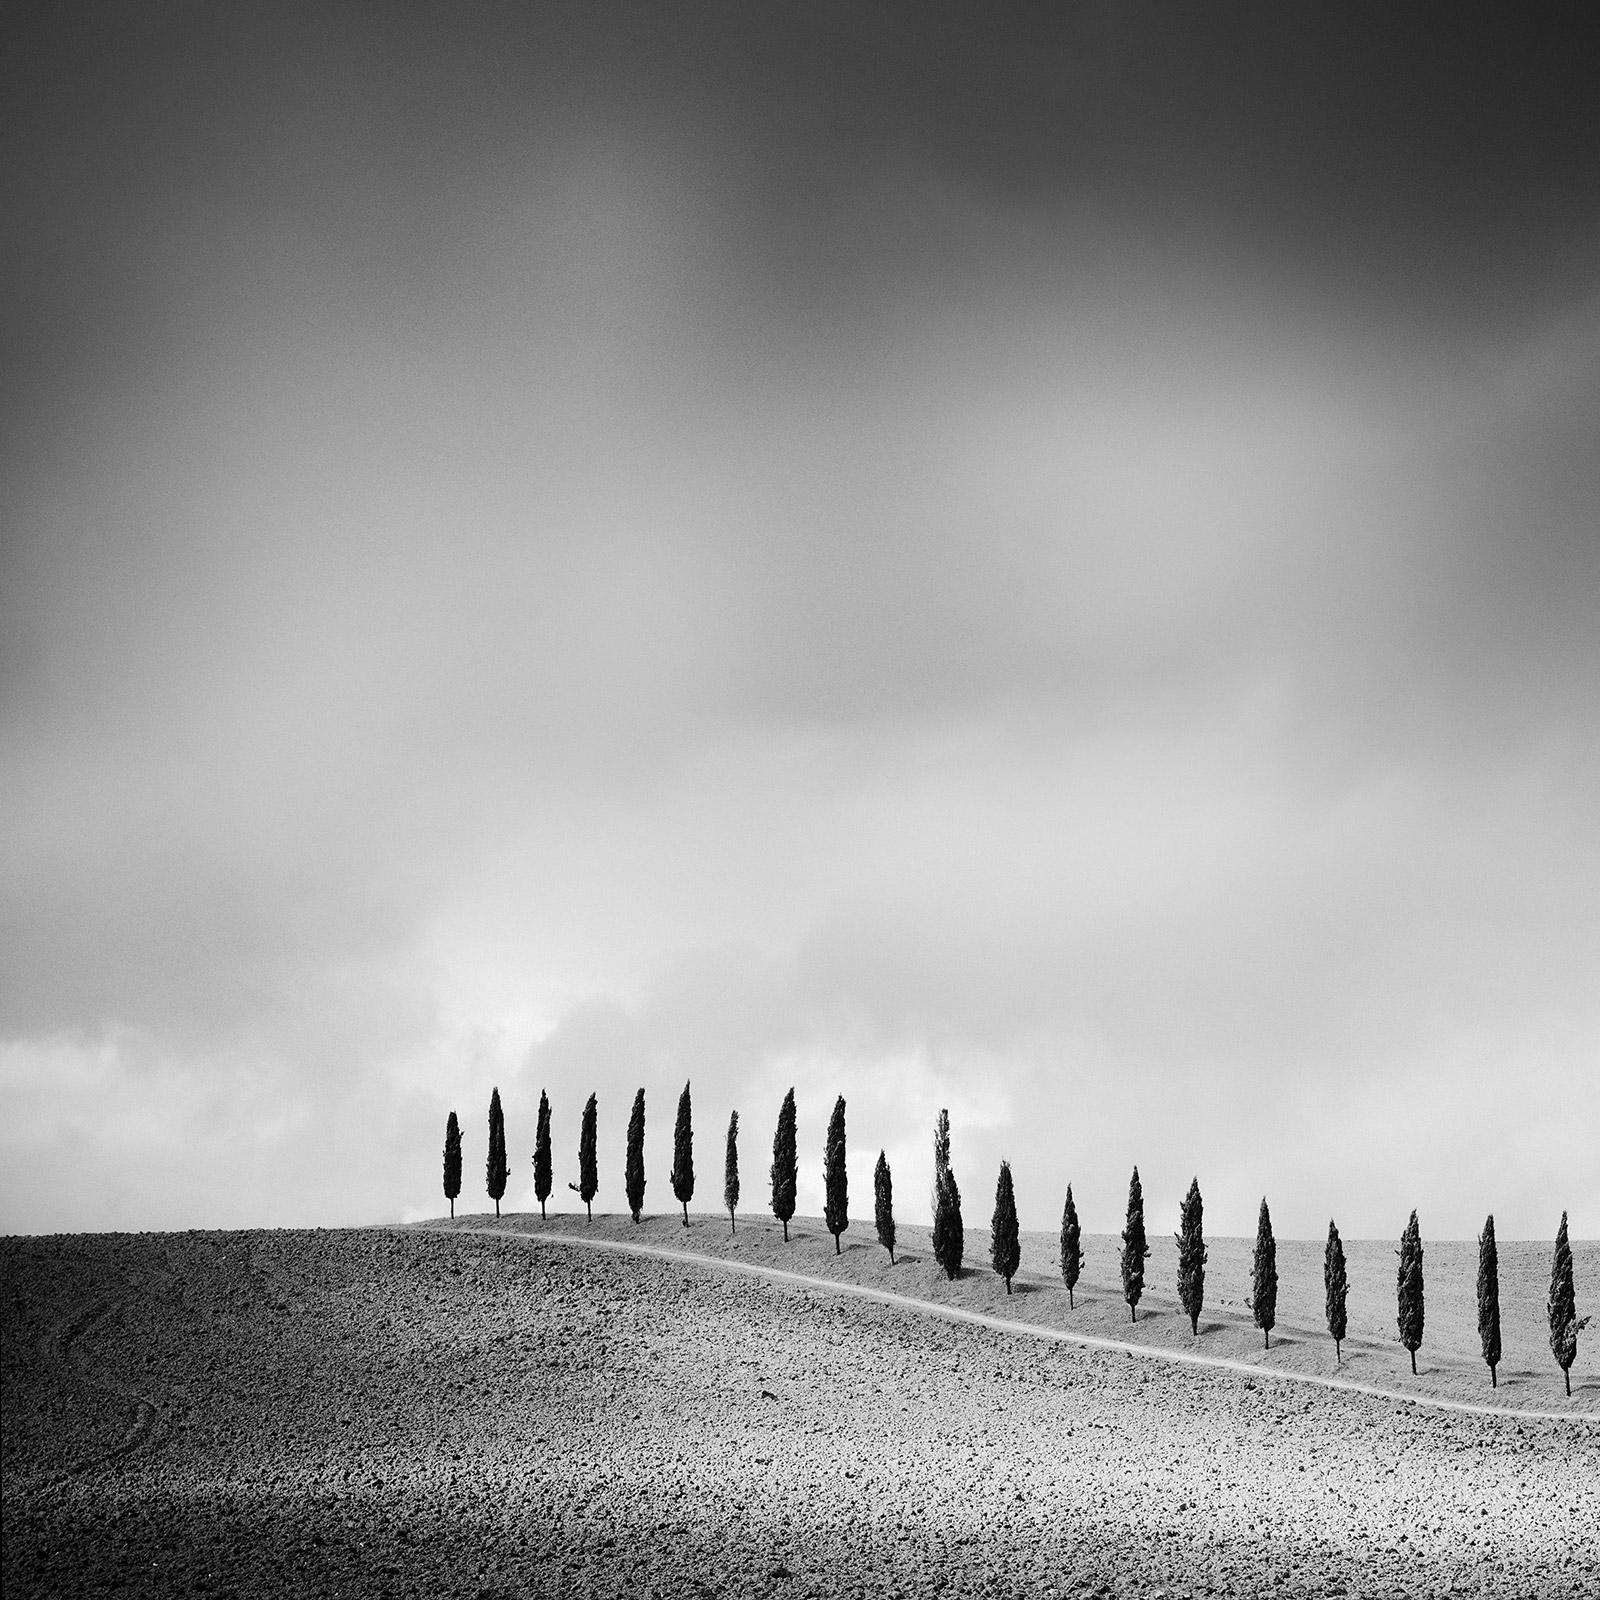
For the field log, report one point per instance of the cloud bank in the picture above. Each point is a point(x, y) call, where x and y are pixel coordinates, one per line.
point(573, 558)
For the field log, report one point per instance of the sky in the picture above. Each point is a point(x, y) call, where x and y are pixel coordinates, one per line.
point(1040, 562)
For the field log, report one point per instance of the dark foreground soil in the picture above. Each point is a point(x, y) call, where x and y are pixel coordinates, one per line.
point(414, 1413)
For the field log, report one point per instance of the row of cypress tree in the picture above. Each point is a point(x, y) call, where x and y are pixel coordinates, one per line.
point(1005, 1239)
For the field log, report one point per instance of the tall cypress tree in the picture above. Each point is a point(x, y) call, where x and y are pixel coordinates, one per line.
point(541, 1154)
point(1134, 1248)
point(1264, 1277)
point(452, 1161)
point(730, 1174)
point(1005, 1238)
point(785, 1165)
point(1335, 1287)
point(949, 1234)
point(588, 1184)
point(683, 1154)
point(1071, 1247)
point(835, 1177)
point(1192, 1256)
point(883, 1204)
point(496, 1173)
point(1565, 1323)
point(1408, 1289)
point(633, 1170)
point(1489, 1299)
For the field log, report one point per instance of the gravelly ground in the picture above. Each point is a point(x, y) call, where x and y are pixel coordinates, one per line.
point(428, 1413)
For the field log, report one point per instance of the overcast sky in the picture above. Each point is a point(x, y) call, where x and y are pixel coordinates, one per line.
point(1041, 563)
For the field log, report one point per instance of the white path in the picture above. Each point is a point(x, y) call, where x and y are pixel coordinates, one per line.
point(1032, 1330)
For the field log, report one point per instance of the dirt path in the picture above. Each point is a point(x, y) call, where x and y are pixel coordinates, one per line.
point(1086, 1341)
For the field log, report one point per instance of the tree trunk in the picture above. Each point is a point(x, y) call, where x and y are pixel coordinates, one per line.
point(836, 1249)
point(452, 1210)
point(588, 1206)
point(542, 1216)
point(1566, 1372)
point(1494, 1379)
point(1336, 1352)
point(1071, 1303)
point(497, 1211)
point(1133, 1313)
point(786, 1230)
point(1413, 1363)
point(891, 1258)
point(1008, 1286)
point(1266, 1338)
point(686, 1213)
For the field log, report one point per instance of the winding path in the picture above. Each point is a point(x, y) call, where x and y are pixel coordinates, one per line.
point(146, 1428)
point(1033, 1330)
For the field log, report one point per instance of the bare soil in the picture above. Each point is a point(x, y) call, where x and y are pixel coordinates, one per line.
point(1449, 1363)
point(429, 1412)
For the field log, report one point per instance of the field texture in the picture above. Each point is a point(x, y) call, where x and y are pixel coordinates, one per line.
point(1449, 1364)
point(449, 1412)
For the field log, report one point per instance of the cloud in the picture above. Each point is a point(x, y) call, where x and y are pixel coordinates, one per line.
point(651, 582)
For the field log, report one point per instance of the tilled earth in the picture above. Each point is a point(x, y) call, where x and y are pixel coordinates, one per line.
point(373, 1413)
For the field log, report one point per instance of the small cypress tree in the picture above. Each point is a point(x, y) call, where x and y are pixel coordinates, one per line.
point(452, 1161)
point(1005, 1238)
point(1565, 1323)
point(633, 1171)
point(588, 1184)
point(496, 1173)
point(949, 1233)
point(730, 1173)
point(1192, 1256)
point(883, 1204)
point(1134, 1248)
point(1408, 1289)
point(785, 1165)
point(1335, 1287)
point(1264, 1277)
point(1071, 1247)
point(835, 1177)
point(541, 1154)
point(683, 1154)
point(1489, 1299)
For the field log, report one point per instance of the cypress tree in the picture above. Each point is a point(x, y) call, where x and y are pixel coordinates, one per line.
point(1408, 1289)
point(835, 1177)
point(1264, 1277)
point(452, 1161)
point(1191, 1256)
point(1335, 1287)
point(541, 1154)
point(785, 1165)
point(883, 1204)
point(683, 1154)
point(1565, 1323)
point(1489, 1299)
point(1071, 1246)
point(1134, 1248)
point(496, 1174)
point(588, 1183)
point(949, 1234)
point(730, 1173)
point(633, 1170)
point(1005, 1239)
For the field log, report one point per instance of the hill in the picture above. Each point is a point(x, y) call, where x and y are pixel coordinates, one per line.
point(435, 1412)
